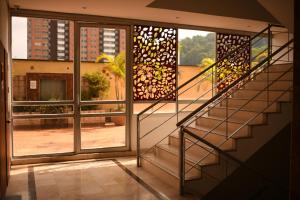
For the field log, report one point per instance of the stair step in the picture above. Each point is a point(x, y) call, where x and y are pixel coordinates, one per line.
point(274, 76)
point(280, 67)
point(195, 150)
point(263, 95)
point(170, 152)
point(217, 139)
point(211, 122)
point(260, 85)
point(253, 105)
point(161, 170)
point(238, 116)
point(165, 169)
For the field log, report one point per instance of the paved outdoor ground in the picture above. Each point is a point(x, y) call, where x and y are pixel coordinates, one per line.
point(45, 141)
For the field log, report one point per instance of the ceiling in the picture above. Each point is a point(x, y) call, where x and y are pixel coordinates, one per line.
point(160, 11)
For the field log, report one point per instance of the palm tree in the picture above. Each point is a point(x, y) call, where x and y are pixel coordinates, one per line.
point(116, 65)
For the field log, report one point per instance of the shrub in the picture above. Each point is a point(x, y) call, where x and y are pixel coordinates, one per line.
point(98, 85)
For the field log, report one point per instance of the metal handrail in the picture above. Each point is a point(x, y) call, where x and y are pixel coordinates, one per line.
point(208, 68)
point(245, 75)
point(248, 101)
point(224, 92)
point(162, 100)
point(192, 102)
point(245, 123)
point(208, 75)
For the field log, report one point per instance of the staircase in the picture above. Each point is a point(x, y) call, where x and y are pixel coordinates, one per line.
point(209, 143)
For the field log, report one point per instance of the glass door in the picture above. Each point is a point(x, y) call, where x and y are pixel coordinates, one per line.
point(102, 104)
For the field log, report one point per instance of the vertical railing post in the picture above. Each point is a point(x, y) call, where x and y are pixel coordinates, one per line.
point(226, 114)
point(138, 147)
point(269, 54)
point(177, 106)
point(182, 161)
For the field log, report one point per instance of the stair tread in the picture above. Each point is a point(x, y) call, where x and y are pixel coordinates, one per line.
point(216, 131)
point(190, 157)
point(167, 166)
point(170, 169)
point(230, 120)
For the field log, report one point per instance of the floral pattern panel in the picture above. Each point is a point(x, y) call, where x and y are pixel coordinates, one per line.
point(234, 66)
point(154, 63)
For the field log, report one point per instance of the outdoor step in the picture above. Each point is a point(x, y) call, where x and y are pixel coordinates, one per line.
point(253, 105)
point(211, 123)
point(274, 76)
point(263, 95)
point(171, 153)
point(238, 116)
point(261, 85)
point(218, 139)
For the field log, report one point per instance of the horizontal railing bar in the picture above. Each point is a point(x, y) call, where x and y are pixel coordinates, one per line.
point(96, 102)
point(192, 102)
point(42, 116)
point(240, 108)
point(221, 151)
point(37, 103)
point(232, 84)
point(103, 114)
point(231, 157)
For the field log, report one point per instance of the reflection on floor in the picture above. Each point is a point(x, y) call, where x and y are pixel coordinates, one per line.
point(111, 179)
point(45, 141)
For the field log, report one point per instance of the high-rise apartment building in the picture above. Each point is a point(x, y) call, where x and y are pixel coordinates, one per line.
point(54, 40)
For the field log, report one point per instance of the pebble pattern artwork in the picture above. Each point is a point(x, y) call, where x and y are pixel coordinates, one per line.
point(154, 62)
point(235, 65)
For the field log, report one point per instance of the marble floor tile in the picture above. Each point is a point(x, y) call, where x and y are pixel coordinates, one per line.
point(111, 179)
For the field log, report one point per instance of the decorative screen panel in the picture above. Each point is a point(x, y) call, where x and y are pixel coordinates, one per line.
point(154, 62)
point(236, 65)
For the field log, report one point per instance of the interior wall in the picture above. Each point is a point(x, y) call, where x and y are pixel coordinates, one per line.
point(282, 10)
point(4, 106)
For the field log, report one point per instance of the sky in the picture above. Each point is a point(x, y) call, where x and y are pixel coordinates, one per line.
point(19, 36)
point(184, 33)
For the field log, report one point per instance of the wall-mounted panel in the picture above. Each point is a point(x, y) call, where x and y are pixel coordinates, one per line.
point(235, 65)
point(154, 62)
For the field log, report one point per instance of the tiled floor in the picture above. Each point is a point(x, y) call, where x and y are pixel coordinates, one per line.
point(109, 179)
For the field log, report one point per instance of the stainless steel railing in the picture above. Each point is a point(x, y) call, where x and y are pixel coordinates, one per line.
point(226, 95)
point(160, 130)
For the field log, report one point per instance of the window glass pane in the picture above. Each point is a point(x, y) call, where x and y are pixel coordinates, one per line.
point(103, 63)
point(42, 136)
point(102, 132)
point(195, 45)
point(196, 53)
point(42, 52)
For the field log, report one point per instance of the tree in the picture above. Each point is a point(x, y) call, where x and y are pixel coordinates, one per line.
point(193, 50)
point(116, 65)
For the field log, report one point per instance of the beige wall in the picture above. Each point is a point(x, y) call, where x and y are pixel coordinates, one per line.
point(21, 67)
